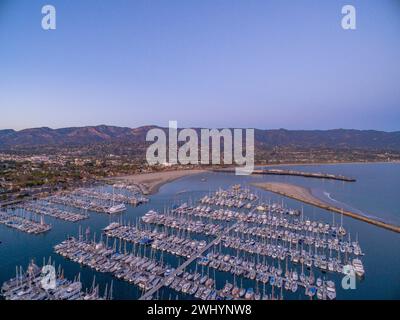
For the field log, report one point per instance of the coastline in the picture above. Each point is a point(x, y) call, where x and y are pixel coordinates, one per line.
point(154, 180)
point(304, 195)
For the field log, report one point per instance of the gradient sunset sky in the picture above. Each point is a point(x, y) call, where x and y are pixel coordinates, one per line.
point(205, 63)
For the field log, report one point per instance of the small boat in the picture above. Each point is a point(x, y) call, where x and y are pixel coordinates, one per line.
point(358, 267)
point(117, 208)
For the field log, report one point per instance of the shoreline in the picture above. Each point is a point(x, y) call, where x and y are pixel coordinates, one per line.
point(155, 180)
point(304, 195)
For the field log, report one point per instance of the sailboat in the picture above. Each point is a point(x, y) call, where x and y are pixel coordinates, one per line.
point(341, 230)
point(116, 208)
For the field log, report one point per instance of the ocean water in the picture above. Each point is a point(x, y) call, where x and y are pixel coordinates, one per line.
point(376, 193)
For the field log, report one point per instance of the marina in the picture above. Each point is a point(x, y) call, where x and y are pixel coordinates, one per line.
point(202, 287)
point(233, 197)
point(261, 249)
point(136, 188)
point(28, 286)
point(272, 232)
point(285, 238)
point(263, 274)
point(42, 207)
point(132, 267)
point(99, 200)
point(111, 196)
point(180, 269)
point(180, 223)
point(179, 244)
point(196, 158)
point(25, 222)
point(302, 194)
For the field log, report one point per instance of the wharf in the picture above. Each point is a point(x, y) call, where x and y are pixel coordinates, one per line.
point(281, 172)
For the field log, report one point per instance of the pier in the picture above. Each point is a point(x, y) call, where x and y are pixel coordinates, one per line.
point(282, 172)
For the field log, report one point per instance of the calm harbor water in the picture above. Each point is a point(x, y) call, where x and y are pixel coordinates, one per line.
point(376, 193)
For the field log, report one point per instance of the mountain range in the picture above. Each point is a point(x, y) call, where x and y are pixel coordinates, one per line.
point(333, 139)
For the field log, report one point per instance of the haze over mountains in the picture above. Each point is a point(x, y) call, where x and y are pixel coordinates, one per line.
point(338, 138)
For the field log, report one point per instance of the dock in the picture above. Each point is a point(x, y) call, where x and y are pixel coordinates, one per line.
point(10, 203)
point(183, 266)
point(28, 286)
point(23, 223)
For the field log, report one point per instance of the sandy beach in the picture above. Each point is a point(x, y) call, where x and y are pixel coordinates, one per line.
point(292, 191)
point(305, 195)
point(154, 180)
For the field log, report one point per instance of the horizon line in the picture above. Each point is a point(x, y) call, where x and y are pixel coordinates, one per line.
point(190, 127)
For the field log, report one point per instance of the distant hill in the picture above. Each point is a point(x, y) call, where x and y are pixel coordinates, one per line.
point(336, 139)
point(333, 139)
point(70, 136)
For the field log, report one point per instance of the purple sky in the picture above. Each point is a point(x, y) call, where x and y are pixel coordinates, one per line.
point(205, 63)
